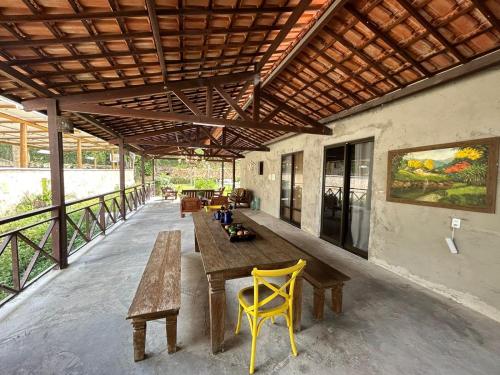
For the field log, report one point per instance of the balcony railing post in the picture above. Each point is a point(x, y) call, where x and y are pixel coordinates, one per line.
point(134, 194)
point(143, 179)
point(14, 251)
point(121, 150)
point(59, 233)
point(102, 214)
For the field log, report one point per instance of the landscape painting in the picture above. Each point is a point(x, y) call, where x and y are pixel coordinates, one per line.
point(461, 175)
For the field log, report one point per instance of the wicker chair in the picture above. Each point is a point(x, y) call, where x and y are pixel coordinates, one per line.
point(241, 196)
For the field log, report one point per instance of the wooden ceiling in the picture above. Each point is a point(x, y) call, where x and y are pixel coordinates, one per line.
point(153, 71)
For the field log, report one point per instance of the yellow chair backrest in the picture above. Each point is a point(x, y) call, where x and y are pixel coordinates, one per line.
point(286, 289)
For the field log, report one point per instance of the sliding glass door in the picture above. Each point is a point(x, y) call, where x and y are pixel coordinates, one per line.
point(347, 195)
point(291, 188)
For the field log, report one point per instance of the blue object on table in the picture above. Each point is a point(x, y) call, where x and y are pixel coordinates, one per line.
point(227, 218)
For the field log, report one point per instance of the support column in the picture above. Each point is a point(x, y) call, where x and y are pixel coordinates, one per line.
point(143, 180)
point(121, 162)
point(59, 232)
point(234, 174)
point(23, 145)
point(79, 162)
point(153, 192)
point(222, 176)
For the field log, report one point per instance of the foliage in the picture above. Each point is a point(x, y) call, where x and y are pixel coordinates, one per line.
point(205, 183)
point(404, 175)
point(6, 152)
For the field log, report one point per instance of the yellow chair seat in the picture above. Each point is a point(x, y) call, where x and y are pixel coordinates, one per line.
point(245, 296)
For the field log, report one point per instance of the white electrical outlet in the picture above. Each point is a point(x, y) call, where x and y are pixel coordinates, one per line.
point(455, 223)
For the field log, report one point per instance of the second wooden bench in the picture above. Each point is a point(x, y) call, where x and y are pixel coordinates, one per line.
point(158, 294)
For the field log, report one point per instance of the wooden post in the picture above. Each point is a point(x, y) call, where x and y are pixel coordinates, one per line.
point(102, 214)
point(79, 162)
point(121, 162)
point(23, 145)
point(222, 175)
point(143, 180)
point(153, 192)
point(59, 233)
point(234, 174)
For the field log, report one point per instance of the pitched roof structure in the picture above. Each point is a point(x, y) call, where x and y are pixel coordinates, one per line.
point(231, 75)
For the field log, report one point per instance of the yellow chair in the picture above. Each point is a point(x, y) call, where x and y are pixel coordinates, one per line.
point(265, 300)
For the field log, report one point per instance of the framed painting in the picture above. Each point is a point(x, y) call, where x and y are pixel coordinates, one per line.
point(459, 175)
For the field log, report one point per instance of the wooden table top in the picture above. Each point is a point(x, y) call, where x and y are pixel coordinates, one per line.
point(235, 259)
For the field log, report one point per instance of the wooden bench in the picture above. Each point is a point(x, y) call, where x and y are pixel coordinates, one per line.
point(323, 277)
point(158, 294)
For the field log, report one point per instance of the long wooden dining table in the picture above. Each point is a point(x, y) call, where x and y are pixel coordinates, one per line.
point(224, 260)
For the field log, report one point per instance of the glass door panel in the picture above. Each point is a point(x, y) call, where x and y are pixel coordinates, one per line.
point(286, 187)
point(333, 189)
point(358, 227)
point(291, 187)
point(345, 217)
point(298, 182)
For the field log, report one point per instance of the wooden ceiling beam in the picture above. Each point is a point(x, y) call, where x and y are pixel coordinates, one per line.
point(292, 111)
point(138, 91)
point(379, 34)
point(134, 35)
point(155, 28)
point(137, 52)
point(134, 13)
point(24, 81)
point(202, 146)
point(489, 60)
point(183, 118)
point(187, 102)
point(291, 22)
point(133, 138)
point(435, 33)
point(234, 105)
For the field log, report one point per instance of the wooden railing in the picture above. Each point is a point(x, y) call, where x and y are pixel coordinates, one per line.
point(26, 246)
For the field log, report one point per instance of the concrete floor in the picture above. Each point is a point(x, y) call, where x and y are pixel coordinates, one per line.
point(73, 321)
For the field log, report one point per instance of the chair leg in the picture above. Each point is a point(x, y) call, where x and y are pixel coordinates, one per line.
point(238, 325)
point(290, 332)
point(272, 319)
point(254, 345)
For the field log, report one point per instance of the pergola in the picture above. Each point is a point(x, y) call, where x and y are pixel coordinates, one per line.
point(165, 78)
point(29, 129)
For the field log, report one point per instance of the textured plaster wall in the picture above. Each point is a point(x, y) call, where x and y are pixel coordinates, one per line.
point(78, 183)
point(405, 238)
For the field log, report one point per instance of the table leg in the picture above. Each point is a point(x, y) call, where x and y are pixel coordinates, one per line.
point(171, 332)
point(297, 304)
point(217, 300)
point(196, 247)
point(139, 338)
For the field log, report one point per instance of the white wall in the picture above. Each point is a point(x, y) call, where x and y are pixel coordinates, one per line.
point(409, 239)
point(78, 183)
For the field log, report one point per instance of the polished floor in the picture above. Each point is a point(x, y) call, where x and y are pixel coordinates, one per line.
point(73, 321)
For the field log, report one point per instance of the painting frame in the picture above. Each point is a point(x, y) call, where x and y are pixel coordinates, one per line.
point(493, 145)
